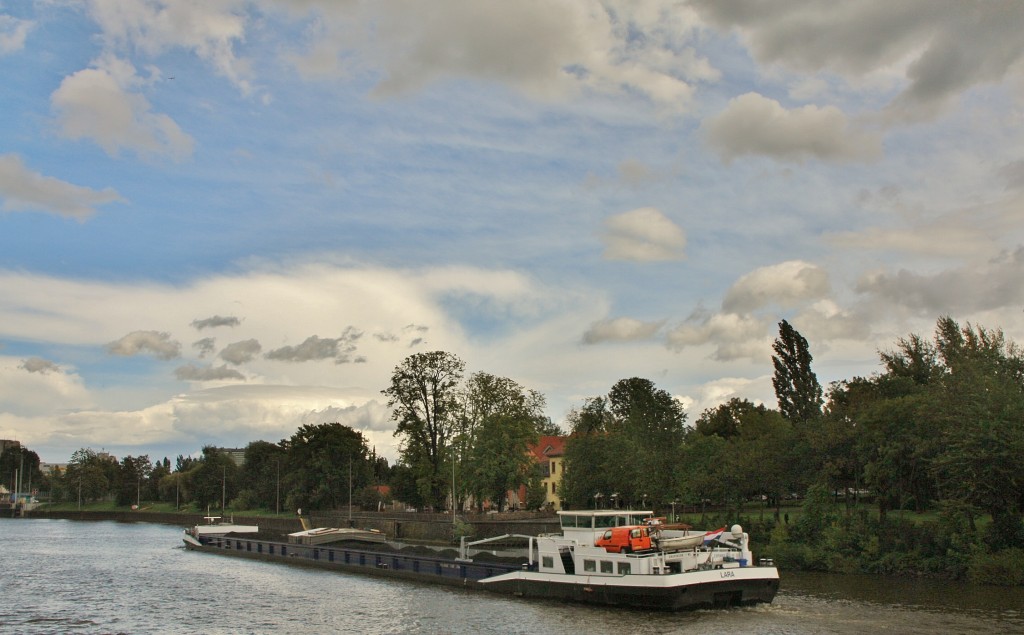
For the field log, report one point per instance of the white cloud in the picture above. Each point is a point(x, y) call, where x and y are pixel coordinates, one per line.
point(621, 330)
point(209, 29)
point(755, 125)
point(606, 47)
point(786, 284)
point(25, 190)
point(40, 365)
point(97, 103)
point(160, 345)
point(939, 48)
point(733, 336)
point(968, 289)
point(241, 352)
point(643, 235)
point(13, 33)
point(195, 372)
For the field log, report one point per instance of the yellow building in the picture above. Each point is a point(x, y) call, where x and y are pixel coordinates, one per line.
point(550, 454)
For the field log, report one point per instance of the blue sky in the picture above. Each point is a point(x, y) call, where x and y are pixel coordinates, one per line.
point(222, 220)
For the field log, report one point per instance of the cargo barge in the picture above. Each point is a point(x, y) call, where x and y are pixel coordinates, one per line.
point(659, 569)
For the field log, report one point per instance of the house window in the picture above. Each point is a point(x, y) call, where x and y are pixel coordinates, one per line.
point(554, 487)
point(590, 565)
point(606, 566)
point(553, 467)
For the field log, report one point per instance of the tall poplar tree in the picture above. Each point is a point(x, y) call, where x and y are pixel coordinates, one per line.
point(796, 386)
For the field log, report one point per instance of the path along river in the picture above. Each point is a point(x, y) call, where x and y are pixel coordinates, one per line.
point(61, 576)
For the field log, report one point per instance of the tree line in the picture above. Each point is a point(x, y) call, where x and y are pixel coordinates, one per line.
point(939, 428)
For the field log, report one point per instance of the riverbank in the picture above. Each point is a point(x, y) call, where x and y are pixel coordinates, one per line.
point(417, 527)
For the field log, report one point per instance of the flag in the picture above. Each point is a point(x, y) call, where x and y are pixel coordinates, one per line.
point(713, 535)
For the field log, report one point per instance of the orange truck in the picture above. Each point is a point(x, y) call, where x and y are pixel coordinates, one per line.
point(625, 539)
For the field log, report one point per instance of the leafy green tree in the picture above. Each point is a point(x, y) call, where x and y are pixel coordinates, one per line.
point(648, 426)
point(796, 386)
point(423, 400)
point(213, 482)
point(263, 472)
point(325, 463)
point(498, 420)
point(982, 461)
point(25, 463)
point(89, 475)
point(131, 473)
point(588, 452)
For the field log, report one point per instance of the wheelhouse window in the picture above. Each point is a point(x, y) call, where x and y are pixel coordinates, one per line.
point(623, 568)
point(590, 565)
point(547, 562)
point(606, 566)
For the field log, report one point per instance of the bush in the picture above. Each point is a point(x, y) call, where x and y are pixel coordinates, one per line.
point(1002, 568)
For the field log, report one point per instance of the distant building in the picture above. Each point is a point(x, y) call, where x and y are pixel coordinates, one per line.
point(53, 468)
point(6, 444)
point(237, 455)
point(549, 452)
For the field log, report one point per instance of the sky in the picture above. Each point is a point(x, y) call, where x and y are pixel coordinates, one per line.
point(222, 220)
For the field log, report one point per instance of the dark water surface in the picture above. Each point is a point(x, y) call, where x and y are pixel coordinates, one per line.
point(61, 576)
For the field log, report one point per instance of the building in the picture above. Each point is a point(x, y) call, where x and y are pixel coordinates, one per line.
point(9, 444)
point(549, 452)
point(237, 455)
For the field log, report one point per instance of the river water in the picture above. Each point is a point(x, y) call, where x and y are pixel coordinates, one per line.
point(60, 576)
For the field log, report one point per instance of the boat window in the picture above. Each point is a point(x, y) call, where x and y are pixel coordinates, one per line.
point(606, 566)
point(605, 521)
point(547, 562)
point(623, 568)
point(590, 565)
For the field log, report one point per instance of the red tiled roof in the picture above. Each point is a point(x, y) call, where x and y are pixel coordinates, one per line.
point(548, 446)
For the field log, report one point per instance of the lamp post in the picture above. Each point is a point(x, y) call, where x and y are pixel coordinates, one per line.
point(278, 487)
point(597, 500)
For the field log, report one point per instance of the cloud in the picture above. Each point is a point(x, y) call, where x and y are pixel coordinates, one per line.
point(215, 321)
point(755, 125)
point(631, 48)
point(241, 352)
point(13, 33)
point(160, 345)
point(97, 103)
point(208, 29)
point(992, 285)
point(315, 348)
point(39, 365)
point(621, 330)
point(941, 48)
point(192, 372)
point(785, 284)
point(734, 336)
point(205, 346)
point(25, 190)
point(643, 235)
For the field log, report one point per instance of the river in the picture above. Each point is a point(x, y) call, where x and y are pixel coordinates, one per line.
point(59, 576)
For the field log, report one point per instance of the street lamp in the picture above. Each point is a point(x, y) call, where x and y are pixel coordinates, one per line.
point(597, 500)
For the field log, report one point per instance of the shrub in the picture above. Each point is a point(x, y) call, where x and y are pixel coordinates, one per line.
point(1002, 568)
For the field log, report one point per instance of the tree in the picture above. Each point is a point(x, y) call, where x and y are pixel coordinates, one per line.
point(324, 462)
point(648, 426)
point(796, 386)
point(588, 450)
point(423, 400)
point(131, 473)
point(498, 421)
point(214, 479)
point(263, 473)
point(89, 475)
